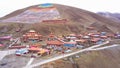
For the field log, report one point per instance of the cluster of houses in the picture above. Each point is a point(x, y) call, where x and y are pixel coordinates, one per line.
point(30, 42)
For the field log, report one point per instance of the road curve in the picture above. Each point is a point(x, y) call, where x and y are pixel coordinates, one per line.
point(101, 48)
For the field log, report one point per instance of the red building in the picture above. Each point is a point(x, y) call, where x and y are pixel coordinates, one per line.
point(55, 21)
point(52, 40)
point(32, 35)
point(55, 42)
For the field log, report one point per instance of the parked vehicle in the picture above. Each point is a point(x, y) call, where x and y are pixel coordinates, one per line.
point(20, 52)
point(67, 51)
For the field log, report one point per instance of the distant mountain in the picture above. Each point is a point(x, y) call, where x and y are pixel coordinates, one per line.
point(112, 16)
point(75, 20)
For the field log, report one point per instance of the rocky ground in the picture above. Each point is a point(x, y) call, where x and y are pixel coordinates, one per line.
point(12, 61)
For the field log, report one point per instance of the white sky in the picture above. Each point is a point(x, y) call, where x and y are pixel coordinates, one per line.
point(7, 6)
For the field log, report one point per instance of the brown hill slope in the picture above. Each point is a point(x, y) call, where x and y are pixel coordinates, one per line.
point(78, 21)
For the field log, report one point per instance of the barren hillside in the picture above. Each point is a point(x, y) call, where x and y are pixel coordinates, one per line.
point(78, 20)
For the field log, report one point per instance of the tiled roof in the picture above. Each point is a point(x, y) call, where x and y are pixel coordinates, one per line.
point(34, 49)
point(54, 42)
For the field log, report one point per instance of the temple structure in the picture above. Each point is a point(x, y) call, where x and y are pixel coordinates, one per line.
point(32, 35)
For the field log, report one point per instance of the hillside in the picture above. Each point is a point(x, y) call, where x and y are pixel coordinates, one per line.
point(78, 20)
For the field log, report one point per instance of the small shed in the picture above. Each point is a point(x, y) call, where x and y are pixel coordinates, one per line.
point(103, 33)
point(81, 41)
point(94, 40)
point(86, 37)
point(104, 37)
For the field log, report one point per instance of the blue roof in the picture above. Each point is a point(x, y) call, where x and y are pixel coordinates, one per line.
point(45, 5)
point(69, 45)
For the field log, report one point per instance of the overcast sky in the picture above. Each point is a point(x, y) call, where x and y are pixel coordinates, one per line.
point(7, 6)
